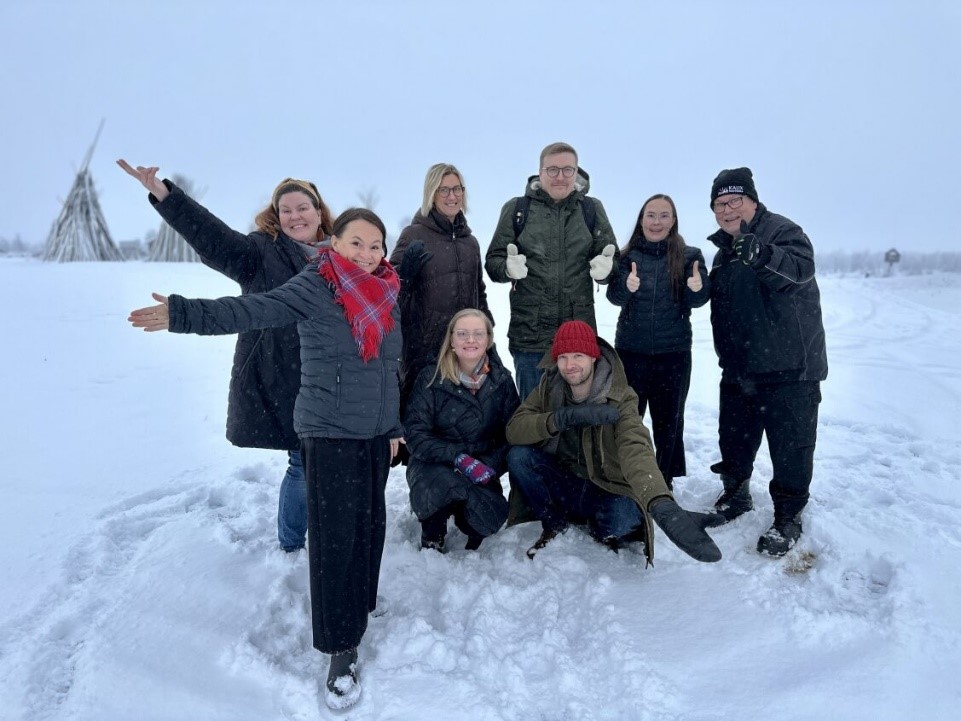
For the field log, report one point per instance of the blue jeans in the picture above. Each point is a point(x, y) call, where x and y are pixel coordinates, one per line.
point(292, 507)
point(526, 372)
point(557, 496)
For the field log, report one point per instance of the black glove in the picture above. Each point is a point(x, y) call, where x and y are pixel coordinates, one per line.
point(746, 246)
point(413, 261)
point(686, 529)
point(589, 414)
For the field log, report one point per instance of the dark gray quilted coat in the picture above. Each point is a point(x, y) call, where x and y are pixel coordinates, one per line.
point(340, 396)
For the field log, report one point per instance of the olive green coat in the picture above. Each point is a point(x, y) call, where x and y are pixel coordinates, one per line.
point(559, 248)
point(620, 457)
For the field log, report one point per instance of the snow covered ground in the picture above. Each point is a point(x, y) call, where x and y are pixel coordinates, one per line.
point(141, 577)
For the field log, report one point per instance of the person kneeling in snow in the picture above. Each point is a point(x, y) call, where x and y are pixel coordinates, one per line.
point(582, 454)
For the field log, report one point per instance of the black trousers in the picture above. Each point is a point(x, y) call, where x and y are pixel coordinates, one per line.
point(662, 381)
point(346, 527)
point(788, 414)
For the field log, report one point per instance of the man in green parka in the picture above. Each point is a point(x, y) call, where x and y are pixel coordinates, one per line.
point(582, 455)
point(552, 244)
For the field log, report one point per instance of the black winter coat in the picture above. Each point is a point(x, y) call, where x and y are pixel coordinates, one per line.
point(265, 377)
point(443, 420)
point(651, 320)
point(767, 317)
point(451, 281)
point(340, 395)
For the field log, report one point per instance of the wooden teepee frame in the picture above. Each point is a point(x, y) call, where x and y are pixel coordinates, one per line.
point(169, 246)
point(80, 233)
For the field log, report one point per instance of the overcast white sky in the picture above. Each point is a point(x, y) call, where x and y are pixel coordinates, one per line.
point(848, 112)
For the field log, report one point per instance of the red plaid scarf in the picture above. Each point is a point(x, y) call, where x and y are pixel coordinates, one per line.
point(367, 298)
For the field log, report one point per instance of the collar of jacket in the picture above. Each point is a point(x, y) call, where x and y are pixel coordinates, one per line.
point(648, 248)
point(724, 240)
point(439, 223)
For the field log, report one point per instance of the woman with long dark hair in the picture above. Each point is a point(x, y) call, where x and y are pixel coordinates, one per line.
point(347, 416)
point(658, 281)
point(265, 377)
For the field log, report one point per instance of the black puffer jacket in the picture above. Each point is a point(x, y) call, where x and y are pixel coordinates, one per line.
point(451, 281)
point(443, 420)
point(265, 377)
point(340, 395)
point(651, 320)
point(767, 319)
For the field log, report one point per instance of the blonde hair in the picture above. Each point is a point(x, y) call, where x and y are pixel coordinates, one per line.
point(435, 175)
point(447, 367)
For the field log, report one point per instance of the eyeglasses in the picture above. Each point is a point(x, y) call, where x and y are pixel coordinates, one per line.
point(553, 171)
point(663, 217)
point(472, 334)
point(456, 190)
point(733, 204)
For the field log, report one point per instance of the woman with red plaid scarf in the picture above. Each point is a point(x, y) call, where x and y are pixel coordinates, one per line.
point(347, 416)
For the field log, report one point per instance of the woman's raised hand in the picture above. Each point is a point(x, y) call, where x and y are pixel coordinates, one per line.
point(147, 178)
point(694, 282)
point(151, 318)
point(633, 282)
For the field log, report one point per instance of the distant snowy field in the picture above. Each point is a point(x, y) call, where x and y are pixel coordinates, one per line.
point(142, 579)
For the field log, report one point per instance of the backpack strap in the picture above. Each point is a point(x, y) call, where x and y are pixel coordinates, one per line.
point(590, 212)
point(521, 206)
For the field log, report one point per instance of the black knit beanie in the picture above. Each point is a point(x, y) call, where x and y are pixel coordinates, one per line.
point(737, 181)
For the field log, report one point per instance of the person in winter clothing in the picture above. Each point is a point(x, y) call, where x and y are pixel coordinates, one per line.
point(658, 280)
point(769, 338)
point(553, 262)
point(582, 454)
point(454, 429)
point(439, 264)
point(265, 377)
point(347, 415)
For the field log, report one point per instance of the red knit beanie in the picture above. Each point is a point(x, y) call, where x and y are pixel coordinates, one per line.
point(575, 336)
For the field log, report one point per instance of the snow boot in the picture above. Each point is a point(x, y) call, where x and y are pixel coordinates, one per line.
point(547, 535)
point(343, 686)
point(686, 529)
point(735, 500)
point(781, 536)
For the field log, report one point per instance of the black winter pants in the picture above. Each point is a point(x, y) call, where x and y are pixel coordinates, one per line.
point(346, 526)
point(788, 414)
point(662, 381)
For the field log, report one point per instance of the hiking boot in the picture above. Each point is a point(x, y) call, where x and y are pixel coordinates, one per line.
point(735, 500)
point(343, 687)
point(432, 543)
point(473, 542)
point(781, 536)
point(547, 535)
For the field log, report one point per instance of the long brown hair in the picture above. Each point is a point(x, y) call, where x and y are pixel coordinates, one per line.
point(268, 221)
point(675, 245)
point(447, 368)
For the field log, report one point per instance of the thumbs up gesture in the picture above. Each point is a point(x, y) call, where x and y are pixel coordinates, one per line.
point(633, 282)
point(516, 263)
point(694, 282)
point(602, 264)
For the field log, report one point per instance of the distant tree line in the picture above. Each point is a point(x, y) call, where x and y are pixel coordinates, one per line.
point(842, 262)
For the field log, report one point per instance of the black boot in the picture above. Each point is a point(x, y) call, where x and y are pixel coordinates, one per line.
point(343, 686)
point(735, 500)
point(686, 529)
point(547, 535)
point(433, 531)
point(781, 536)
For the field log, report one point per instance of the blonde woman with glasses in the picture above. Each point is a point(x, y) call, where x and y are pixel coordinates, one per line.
point(439, 264)
point(454, 427)
point(265, 377)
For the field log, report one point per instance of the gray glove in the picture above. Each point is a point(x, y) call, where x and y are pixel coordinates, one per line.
point(589, 414)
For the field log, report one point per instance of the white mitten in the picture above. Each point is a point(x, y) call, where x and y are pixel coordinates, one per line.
point(601, 264)
point(517, 263)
